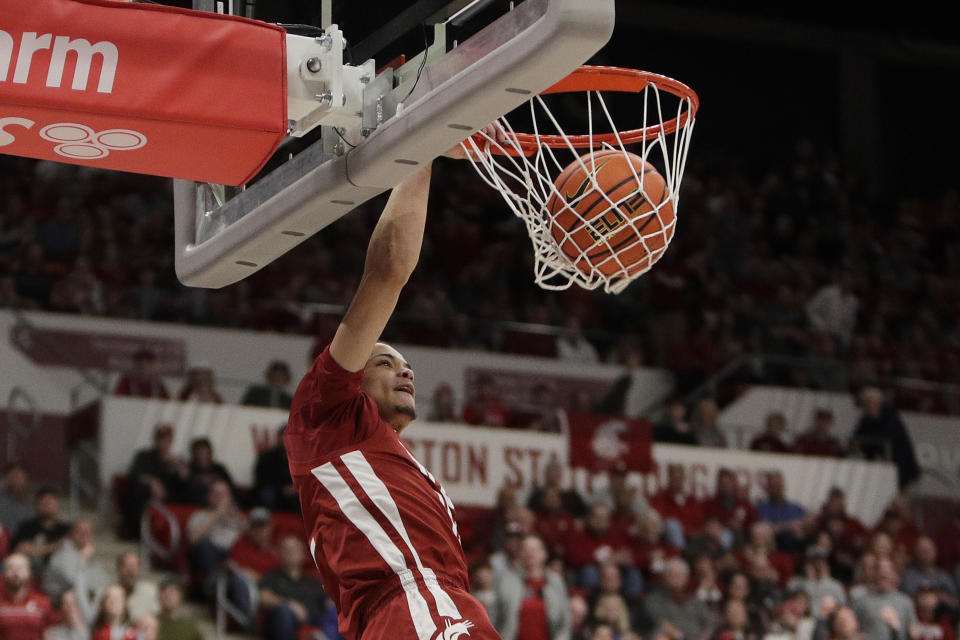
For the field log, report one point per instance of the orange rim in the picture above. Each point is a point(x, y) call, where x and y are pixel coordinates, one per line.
point(596, 78)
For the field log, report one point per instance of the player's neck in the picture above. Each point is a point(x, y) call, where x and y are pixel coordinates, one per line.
point(399, 422)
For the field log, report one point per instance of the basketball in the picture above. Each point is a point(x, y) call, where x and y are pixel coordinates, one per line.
point(621, 226)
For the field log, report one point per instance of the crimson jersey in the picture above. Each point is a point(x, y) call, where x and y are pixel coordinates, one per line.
point(379, 524)
point(26, 619)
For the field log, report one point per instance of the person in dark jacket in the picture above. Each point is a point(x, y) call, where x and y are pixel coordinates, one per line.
point(273, 393)
point(154, 474)
point(203, 472)
point(272, 481)
point(881, 435)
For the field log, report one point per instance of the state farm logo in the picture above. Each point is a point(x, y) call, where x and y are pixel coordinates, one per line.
point(77, 141)
point(83, 143)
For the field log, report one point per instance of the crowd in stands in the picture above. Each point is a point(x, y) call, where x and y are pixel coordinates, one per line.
point(548, 562)
point(797, 260)
point(56, 586)
point(618, 564)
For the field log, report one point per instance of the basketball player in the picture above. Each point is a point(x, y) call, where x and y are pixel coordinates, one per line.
point(380, 526)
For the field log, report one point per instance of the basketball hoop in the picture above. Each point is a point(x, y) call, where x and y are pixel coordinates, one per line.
point(524, 166)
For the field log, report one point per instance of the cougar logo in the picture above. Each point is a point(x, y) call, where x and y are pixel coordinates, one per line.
point(606, 442)
point(454, 630)
point(586, 181)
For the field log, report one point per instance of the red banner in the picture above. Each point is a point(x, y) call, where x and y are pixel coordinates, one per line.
point(92, 350)
point(141, 87)
point(600, 443)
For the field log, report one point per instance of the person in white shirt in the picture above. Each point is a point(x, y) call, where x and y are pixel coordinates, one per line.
point(572, 345)
point(142, 595)
point(816, 581)
point(833, 310)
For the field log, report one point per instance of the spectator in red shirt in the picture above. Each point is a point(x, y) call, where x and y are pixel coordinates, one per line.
point(897, 522)
point(595, 544)
point(848, 535)
point(532, 603)
point(948, 542)
point(729, 507)
point(772, 438)
point(112, 622)
point(818, 440)
point(761, 551)
point(142, 381)
point(932, 622)
point(553, 523)
point(24, 612)
point(674, 503)
point(835, 506)
point(485, 406)
point(254, 556)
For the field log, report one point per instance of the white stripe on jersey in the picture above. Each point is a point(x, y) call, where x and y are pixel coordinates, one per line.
point(441, 495)
point(313, 552)
point(380, 495)
point(351, 506)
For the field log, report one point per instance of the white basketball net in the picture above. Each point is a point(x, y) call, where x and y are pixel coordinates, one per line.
point(526, 182)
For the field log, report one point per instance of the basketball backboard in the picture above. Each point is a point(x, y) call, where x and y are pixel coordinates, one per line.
point(362, 127)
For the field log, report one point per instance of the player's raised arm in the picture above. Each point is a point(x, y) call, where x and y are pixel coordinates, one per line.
point(391, 257)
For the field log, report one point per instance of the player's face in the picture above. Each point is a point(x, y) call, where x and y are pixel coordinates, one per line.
point(388, 379)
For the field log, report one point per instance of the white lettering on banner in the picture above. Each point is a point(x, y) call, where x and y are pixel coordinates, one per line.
point(473, 463)
point(83, 50)
point(78, 141)
point(6, 137)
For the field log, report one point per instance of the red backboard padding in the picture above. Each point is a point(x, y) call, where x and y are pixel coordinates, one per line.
point(141, 87)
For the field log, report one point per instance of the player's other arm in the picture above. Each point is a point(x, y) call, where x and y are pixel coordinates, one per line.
point(391, 257)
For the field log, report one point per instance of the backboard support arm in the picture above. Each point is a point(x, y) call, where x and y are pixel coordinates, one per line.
point(405, 123)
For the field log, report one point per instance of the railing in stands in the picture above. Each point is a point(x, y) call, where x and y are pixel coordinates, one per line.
point(17, 427)
point(819, 373)
point(84, 473)
point(150, 546)
point(97, 382)
point(225, 607)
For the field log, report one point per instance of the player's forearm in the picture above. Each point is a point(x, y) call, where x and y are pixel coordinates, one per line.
point(395, 244)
